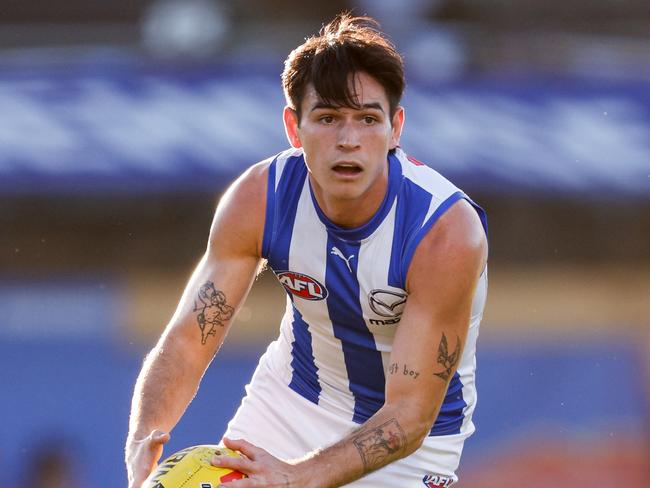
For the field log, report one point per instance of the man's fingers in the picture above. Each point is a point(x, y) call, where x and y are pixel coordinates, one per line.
point(245, 447)
point(237, 463)
point(143, 456)
point(138, 481)
point(159, 437)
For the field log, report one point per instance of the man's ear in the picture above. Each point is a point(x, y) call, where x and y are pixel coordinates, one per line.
point(290, 118)
point(396, 127)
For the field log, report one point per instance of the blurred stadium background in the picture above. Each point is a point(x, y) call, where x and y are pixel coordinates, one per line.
point(122, 122)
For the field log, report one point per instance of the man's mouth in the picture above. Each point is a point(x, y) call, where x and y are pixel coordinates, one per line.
point(347, 169)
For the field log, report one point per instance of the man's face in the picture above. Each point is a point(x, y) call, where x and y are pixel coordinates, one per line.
point(346, 148)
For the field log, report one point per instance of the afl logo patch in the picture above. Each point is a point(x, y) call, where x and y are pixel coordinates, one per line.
point(302, 286)
point(387, 303)
point(433, 481)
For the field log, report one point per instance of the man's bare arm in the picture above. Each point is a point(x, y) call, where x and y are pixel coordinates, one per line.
point(429, 342)
point(173, 369)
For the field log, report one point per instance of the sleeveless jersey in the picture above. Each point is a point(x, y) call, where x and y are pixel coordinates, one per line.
point(346, 289)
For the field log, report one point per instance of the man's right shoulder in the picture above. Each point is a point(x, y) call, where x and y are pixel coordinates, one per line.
point(257, 175)
point(242, 208)
point(256, 178)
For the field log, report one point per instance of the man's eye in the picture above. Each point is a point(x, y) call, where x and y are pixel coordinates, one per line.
point(369, 120)
point(327, 119)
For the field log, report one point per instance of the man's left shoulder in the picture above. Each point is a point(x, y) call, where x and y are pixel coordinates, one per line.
point(459, 229)
point(453, 250)
point(423, 175)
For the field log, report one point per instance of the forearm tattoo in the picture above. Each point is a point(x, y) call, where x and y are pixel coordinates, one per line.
point(404, 370)
point(212, 310)
point(447, 360)
point(378, 444)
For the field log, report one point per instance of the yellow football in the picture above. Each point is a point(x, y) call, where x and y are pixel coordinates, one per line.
point(191, 468)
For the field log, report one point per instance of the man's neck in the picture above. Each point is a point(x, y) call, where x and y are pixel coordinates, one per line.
point(351, 213)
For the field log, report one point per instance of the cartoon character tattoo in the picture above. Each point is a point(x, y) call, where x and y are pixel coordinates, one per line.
point(213, 310)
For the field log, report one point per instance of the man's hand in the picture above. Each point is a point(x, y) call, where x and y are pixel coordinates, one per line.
point(262, 469)
point(142, 456)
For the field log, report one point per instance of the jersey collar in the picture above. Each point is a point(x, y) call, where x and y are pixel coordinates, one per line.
point(364, 231)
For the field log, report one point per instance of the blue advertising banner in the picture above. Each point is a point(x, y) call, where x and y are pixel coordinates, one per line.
point(125, 126)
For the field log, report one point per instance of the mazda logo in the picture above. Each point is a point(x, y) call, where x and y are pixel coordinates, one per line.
point(387, 303)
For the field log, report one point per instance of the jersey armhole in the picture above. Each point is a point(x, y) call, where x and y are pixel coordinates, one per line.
point(412, 244)
point(269, 219)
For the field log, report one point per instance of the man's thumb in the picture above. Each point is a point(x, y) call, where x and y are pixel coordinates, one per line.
point(159, 437)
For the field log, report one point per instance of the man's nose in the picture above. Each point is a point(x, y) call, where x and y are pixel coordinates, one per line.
point(348, 136)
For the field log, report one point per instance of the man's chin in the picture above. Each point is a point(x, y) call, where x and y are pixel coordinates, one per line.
point(347, 195)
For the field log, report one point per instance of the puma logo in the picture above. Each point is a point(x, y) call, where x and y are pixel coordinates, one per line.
point(337, 252)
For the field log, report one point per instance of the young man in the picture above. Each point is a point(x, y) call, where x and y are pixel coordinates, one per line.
point(371, 380)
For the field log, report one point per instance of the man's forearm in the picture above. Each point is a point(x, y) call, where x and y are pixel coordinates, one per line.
point(166, 385)
point(391, 434)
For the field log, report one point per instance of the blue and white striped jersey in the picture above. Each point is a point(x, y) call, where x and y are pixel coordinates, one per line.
point(346, 289)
